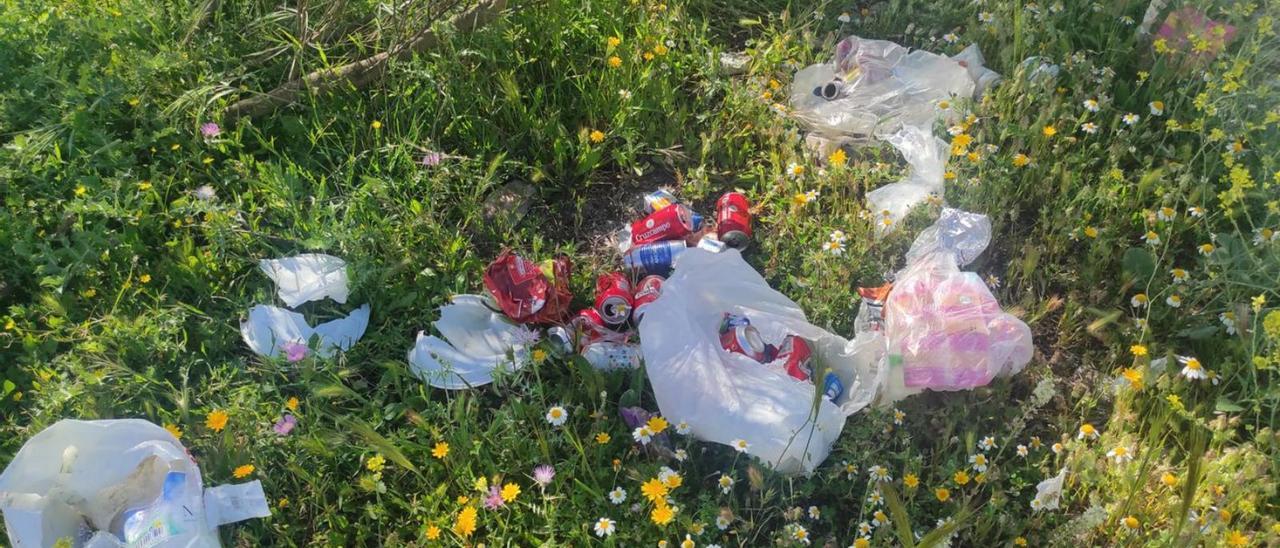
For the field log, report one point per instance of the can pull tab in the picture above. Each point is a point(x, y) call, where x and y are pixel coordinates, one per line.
point(231, 503)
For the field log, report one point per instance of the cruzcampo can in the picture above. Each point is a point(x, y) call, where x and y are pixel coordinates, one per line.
point(669, 223)
point(733, 220)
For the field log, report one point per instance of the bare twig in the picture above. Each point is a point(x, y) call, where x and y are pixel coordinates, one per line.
point(360, 73)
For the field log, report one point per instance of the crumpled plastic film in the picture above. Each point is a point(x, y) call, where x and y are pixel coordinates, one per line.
point(926, 156)
point(269, 329)
point(307, 277)
point(477, 342)
point(872, 88)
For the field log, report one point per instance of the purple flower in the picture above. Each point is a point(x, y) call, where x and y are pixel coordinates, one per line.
point(494, 500)
point(294, 352)
point(285, 425)
point(206, 193)
point(432, 159)
point(543, 474)
point(210, 130)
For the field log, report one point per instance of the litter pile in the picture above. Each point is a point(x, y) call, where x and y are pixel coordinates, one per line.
point(271, 330)
point(116, 483)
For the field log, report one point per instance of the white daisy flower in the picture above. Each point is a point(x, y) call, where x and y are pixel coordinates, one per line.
point(1139, 300)
point(681, 455)
point(1156, 107)
point(1151, 237)
point(1228, 319)
point(800, 534)
point(879, 473)
point(1087, 431)
point(1022, 450)
point(844, 18)
point(1192, 368)
point(723, 522)
point(1195, 211)
point(1264, 235)
point(1130, 118)
point(618, 495)
point(979, 462)
point(557, 415)
point(879, 519)
point(605, 527)
point(898, 416)
point(795, 170)
point(987, 443)
point(726, 483)
point(986, 17)
point(1166, 213)
point(1173, 300)
point(955, 130)
point(835, 247)
point(875, 498)
point(950, 38)
point(1179, 275)
point(683, 428)
point(740, 444)
point(1089, 127)
point(815, 513)
point(865, 529)
point(850, 470)
point(1206, 249)
point(1091, 105)
point(1120, 454)
point(642, 434)
point(1056, 448)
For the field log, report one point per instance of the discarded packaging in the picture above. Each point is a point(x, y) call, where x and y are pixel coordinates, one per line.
point(614, 298)
point(307, 277)
point(724, 396)
point(114, 484)
point(647, 291)
point(673, 222)
point(606, 355)
point(269, 330)
point(733, 220)
point(927, 157)
point(477, 341)
point(527, 292)
point(874, 87)
point(943, 329)
point(654, 258)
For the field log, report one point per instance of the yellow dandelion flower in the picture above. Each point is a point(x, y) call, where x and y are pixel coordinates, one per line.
point(654, 490)
point(465, 524)
point(376, 463)
point(433, 532)
point(216, 420)
point(1049, 131)
point(243, 471)
point(510, 491)
point(1168, 479)
point(615, 61)
point(961, 478)
point(660, 49)
point(837, 158)
point(662, 514)
point(596, 136)
point(292, 404)
point(376, 124)
point(441, 450)
point(145, 278)
point(910, 481)
point(657, 425)
point(613, 41)
point(603, 438)
point(1021, 160)
point(174, 430)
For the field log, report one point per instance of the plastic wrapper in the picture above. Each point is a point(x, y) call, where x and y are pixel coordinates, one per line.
point(942, 328)
point(307, 277)
point(116, 483)
point(725, 396)
point(926, 156)
point(872, 88)
point(477, 342)
point(527, 292)
point(269, 330)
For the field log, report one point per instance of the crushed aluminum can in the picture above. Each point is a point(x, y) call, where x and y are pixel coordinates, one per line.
point(613, 298)
point(832, 388)
point(710, 243)
point(647, 291)
point(797, 357)
point(561, 339)
point(731, 320)
point(654, 258)
point(592, 327)
point(745, 340)
point(669, 223)
point(733, 220)
point(657, 200)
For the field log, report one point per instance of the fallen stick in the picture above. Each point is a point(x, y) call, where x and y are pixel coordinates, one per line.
point(360, 73)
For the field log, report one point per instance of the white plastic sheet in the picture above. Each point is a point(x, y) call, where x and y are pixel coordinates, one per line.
point(270, 329)
point(307, 277)
point(112, 483)
point(477, 342)
point(725, 396)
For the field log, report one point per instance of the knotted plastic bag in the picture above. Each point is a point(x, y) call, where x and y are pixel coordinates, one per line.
point(116, 483)
point(725, 396)
point(943, 329)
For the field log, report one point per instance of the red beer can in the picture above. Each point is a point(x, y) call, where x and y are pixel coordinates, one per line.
point(745, 340)
point(613, 298)
point(647, 291)
point(590, 324)
point(669, 223)
point(733, 220)
point(797, 357)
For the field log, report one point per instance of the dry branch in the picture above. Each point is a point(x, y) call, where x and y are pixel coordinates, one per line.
point(360, 73)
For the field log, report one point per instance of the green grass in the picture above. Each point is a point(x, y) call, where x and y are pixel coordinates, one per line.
point(121, 292)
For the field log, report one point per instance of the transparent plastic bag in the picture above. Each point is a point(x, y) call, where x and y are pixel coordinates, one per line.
point(116, 483)
point(725, 396)
point(943, 329)
point(874, 87)
point(477, 341)
point(927, 157)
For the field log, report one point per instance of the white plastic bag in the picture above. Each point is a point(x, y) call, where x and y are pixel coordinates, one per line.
point(725, 396)
point(943, 329)
point(116, 483)
point(874, 87)
point(927, 157)
point(477, 341)
point(270, 329)
point(307, 277)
